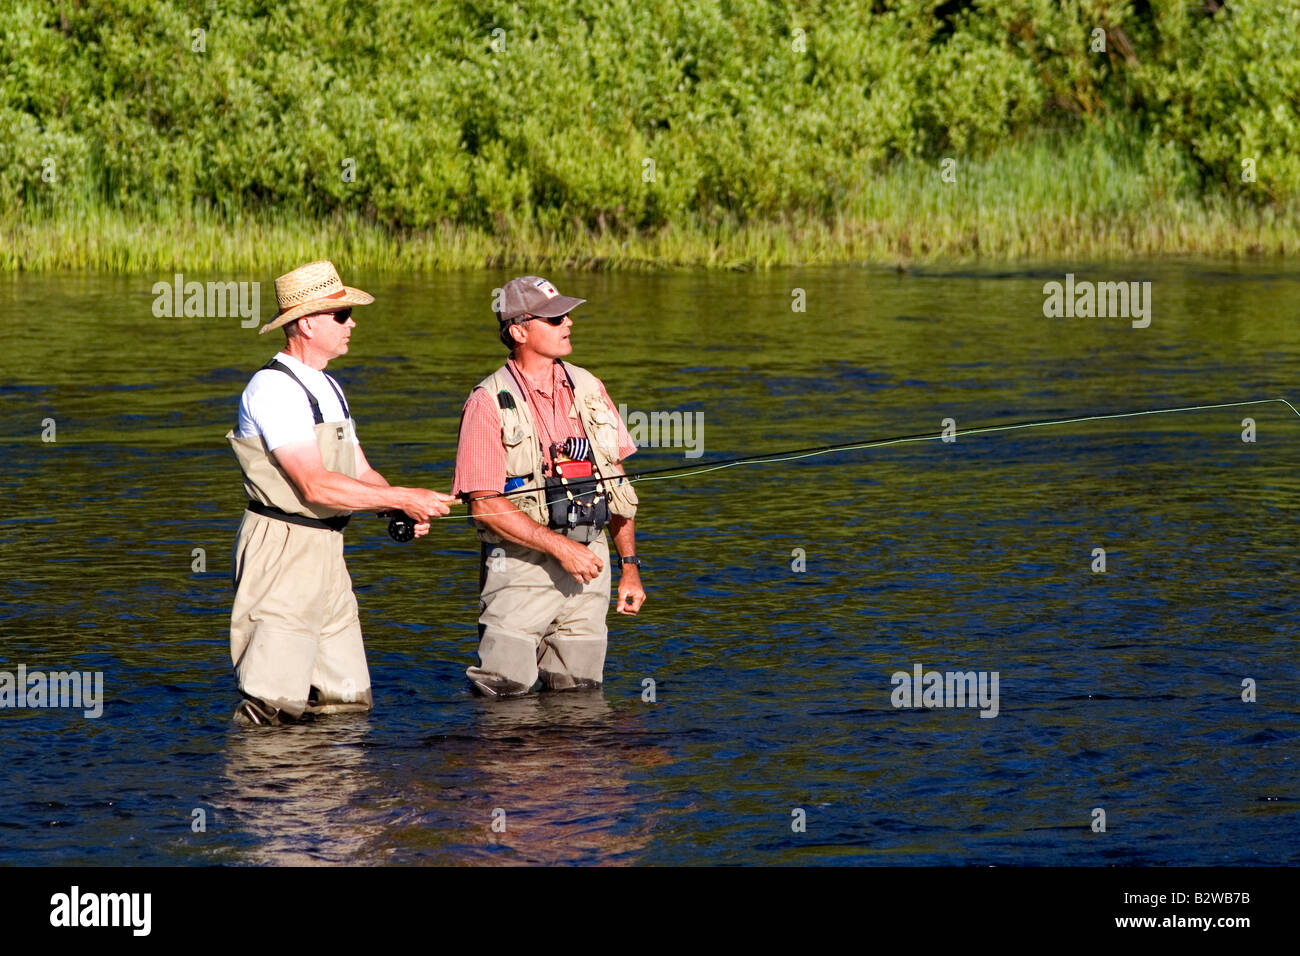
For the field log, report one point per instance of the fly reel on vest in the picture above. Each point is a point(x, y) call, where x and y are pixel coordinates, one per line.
point(575, 494)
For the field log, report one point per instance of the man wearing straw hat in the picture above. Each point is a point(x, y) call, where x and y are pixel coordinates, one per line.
point(295, 636)
point(548, 430)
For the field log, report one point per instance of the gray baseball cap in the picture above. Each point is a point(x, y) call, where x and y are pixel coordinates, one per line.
point(533, 295)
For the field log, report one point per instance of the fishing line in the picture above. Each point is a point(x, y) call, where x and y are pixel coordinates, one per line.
point(796, 454)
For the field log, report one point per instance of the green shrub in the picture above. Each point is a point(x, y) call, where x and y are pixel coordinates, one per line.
point(743, 110)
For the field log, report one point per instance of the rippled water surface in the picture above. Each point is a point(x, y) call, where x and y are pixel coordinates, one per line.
point(1119, 690)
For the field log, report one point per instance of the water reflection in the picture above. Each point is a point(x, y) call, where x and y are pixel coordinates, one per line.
point(563, 768)
point(558, 765)
point(289, 789)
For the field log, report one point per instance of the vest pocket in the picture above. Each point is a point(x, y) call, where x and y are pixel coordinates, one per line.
point(520, 450)
point(519, 455)
point(604, 427)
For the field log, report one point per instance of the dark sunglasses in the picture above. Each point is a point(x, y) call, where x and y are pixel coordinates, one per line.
point(342, 316)
point(549, 319)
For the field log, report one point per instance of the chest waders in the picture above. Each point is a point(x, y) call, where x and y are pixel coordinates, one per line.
point(295, 635)
point(536, 624)
point(269, 489)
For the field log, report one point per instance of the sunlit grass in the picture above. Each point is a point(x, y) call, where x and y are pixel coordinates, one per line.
point(1085, 198)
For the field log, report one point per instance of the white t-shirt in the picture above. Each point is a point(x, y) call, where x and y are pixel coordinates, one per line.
point(275, 407)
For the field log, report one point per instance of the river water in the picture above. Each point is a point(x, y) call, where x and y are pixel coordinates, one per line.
point(782, 597)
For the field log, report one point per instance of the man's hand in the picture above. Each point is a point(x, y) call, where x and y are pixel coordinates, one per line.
point(440, 506)
point(423, 504)
point(577, 559)
point(630, 593)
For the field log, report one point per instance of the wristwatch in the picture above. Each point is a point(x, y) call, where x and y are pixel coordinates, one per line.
point(630, 559)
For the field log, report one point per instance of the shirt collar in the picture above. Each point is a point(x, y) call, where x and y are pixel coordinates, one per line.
point(296, 365)
point(547, 387)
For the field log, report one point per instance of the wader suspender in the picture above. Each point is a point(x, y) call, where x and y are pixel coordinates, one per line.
point(333, 524)
point(316, 415)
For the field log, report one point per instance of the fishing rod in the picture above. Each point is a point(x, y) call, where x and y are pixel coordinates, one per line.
point(402, 527)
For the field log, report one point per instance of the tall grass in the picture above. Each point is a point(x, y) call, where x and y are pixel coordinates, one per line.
point(738, 133)
point(1082, 196)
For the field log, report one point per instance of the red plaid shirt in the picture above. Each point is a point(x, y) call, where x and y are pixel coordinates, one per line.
point(480, 456)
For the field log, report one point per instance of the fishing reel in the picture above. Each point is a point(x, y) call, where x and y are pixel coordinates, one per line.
point(401, 526)
point(571, 449)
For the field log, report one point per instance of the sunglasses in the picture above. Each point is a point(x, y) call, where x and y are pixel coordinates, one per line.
point(549, 319)
point(342, 316)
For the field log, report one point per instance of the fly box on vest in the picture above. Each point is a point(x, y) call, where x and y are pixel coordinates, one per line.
point(574, 495)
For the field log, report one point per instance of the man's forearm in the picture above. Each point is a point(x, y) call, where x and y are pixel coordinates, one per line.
point(501, 516)
point(331, 489)
point(372, 477)
point(623, 531)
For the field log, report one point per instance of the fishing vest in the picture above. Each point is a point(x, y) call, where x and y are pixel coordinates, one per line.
point(524, 456)
point(267, 483)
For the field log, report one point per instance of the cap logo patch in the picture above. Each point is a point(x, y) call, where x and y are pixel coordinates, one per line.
point(548, 290)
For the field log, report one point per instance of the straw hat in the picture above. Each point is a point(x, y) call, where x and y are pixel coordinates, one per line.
point(315, 287)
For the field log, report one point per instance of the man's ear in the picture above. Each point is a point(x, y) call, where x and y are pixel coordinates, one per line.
point(518, 334)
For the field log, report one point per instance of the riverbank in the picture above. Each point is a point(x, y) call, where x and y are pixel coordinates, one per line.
point(113, 244)
point(1078, 199)
point(742, 135)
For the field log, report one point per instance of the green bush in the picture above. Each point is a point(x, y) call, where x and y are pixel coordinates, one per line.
point(744, 110)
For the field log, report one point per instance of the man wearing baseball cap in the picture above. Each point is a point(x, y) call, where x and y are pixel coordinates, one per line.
point(538, 460)
point(295, 636)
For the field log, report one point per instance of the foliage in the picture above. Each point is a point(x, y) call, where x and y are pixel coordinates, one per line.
point(616, 117)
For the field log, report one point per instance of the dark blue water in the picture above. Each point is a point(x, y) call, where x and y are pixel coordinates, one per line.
point(1119, 690)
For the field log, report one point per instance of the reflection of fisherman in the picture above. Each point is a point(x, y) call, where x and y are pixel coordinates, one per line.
point(295, 637)
point(515, 750)
point(538, 422)
point(305, 824)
